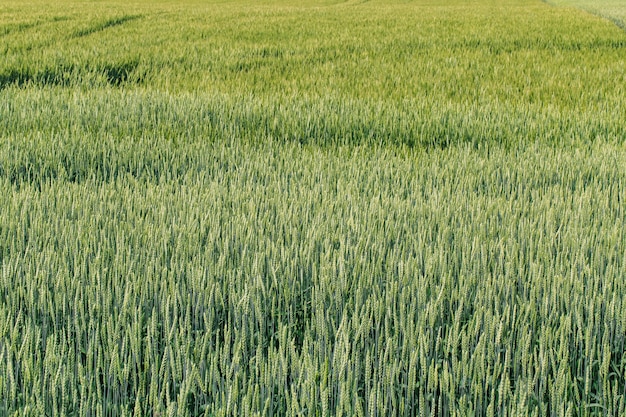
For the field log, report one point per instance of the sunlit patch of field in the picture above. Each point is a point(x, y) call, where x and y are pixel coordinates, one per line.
point(614, 10)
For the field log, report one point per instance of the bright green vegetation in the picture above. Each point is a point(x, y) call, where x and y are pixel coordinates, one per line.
point(318, 209)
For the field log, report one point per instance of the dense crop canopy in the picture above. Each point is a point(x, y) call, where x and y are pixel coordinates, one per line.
point(280, 208)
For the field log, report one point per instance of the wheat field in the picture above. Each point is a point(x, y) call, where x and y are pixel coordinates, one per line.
point(312, 208)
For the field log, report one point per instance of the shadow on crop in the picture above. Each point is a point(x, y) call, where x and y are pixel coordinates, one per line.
point(25, 26)
point(122, 73)
point(103, 25)
point(21, 77)
point(115, 74)
point(17, 27)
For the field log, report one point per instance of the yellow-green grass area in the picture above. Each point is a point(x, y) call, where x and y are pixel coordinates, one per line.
point(614, 10)
point(284, 208)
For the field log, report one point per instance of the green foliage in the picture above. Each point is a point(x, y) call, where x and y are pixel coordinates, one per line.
point(326, 209)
